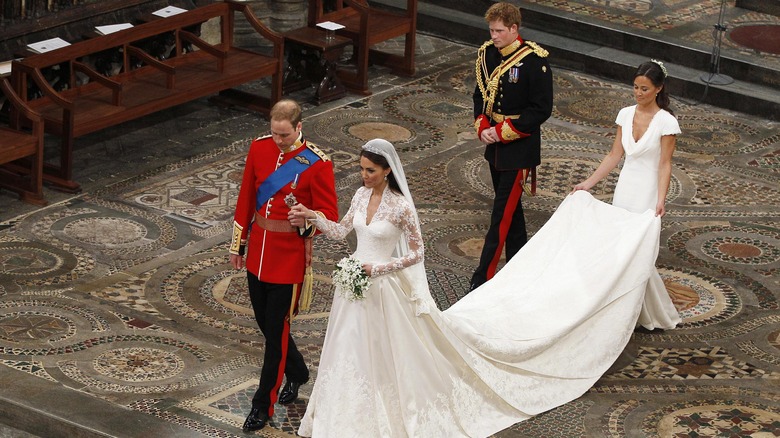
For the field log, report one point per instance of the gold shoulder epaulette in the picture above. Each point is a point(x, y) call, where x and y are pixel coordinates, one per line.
point(314, 148)
point(263, 137)
point(540, 52)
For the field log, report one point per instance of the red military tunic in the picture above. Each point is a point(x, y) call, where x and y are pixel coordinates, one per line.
point(279, 257)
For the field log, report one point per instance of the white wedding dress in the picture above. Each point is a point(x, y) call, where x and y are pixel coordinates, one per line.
point(536, 336)
point(637, 191)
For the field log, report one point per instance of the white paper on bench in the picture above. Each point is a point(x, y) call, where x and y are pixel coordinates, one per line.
point(111, 28)
point(329, 25)
point(48, 45)
point(168, 11)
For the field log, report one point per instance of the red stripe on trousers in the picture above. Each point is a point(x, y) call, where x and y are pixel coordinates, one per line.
point(282, 362)
point(506, 221)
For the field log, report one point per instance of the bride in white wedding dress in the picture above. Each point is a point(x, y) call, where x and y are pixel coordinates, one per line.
point(536, 336)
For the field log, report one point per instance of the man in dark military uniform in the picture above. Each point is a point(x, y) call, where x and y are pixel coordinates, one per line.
point(281, 170)
point(512, 99)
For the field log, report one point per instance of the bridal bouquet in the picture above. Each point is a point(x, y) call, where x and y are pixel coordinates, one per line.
point(350, 279)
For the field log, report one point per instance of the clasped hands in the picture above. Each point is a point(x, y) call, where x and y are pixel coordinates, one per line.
point(489, 136)
point(299, 214)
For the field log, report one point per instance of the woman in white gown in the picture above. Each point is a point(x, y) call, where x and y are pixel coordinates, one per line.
point(536, 336)
point(646, 135)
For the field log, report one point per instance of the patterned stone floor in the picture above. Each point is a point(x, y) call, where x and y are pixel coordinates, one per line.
point(124, 294)
point(688, 23)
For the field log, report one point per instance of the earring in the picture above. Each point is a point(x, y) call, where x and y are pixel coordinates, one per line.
point(385, 177)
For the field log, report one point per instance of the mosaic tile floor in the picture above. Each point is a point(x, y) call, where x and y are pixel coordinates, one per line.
point(124, 292)
point(688, 23)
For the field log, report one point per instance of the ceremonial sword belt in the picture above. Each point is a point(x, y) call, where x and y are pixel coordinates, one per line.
point(274, 225)
point(498, 118)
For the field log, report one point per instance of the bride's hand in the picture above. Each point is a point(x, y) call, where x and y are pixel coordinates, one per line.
point(367, 268)
point(298, 215)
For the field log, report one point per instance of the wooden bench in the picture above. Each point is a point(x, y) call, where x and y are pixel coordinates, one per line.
point(368, 26)
point(305, 67)
point(156, 85)
point(19, 144)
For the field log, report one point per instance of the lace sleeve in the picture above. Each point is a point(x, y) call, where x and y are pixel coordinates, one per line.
point(337, 230)
point(405, 219)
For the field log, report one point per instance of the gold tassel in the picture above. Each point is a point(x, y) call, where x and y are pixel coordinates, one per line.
point(294, 303)
point(306, 292)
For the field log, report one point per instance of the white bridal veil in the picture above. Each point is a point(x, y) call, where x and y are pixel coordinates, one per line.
point(415, 274)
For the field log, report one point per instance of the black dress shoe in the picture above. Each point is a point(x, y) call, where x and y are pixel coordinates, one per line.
point(255, 420)
point(290, 392)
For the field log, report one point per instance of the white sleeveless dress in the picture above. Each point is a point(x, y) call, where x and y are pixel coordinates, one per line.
point(536, 336)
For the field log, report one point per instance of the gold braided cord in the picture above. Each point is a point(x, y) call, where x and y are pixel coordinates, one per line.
point(540, 52)
point(481, 63)
point(495, 77)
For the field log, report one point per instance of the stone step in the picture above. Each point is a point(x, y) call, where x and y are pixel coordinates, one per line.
point(42, 408)
point(615, 57)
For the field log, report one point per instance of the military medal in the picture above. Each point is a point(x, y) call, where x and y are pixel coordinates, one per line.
point(290, 200)
point(514, 75)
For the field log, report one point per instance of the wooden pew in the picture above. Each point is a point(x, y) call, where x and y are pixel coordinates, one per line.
point(156, 85)
point(368, 26)
point(19, 144)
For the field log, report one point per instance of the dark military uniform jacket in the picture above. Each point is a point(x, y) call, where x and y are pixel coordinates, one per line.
point(514, 94)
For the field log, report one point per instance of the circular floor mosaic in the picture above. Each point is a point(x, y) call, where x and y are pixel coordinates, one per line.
point(741, 250)
point(596, 107)
point(734, 244)
point(138, 364)
point(713, 136)
point(370, 130)
point(41, 263)
point(29, 326)
point(721, 418)
point(701, 301)
point(105, 231)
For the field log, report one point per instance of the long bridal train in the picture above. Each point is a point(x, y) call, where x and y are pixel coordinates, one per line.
point(536, 336)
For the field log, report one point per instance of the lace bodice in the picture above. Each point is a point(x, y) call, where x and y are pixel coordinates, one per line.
point(378, 240)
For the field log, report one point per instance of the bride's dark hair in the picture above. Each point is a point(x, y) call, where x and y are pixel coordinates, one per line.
point(381, 161)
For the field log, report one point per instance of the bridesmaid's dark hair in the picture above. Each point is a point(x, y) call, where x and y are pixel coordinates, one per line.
point(381, 161)
point(656, 73)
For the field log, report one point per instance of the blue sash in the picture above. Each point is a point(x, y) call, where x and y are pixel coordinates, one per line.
point(285, 174)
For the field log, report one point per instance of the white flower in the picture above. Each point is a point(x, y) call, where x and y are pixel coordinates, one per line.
point(350, 279)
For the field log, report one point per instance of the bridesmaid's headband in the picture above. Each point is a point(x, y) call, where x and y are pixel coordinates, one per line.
point(660, 64)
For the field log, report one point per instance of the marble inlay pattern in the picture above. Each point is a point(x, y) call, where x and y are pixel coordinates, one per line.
point(204, 198)
point(689, 364)
point(715, 418)
point(138, 364)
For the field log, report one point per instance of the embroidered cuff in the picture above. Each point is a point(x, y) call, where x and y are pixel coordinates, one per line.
point(237, 244)
point(508, 133)
point(310, 227)
point(480, 124)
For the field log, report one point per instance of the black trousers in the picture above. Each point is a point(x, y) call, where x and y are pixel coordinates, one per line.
point(271, 304)
point(507, 223)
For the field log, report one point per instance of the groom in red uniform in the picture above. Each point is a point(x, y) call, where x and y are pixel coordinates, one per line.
point(281, 170)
